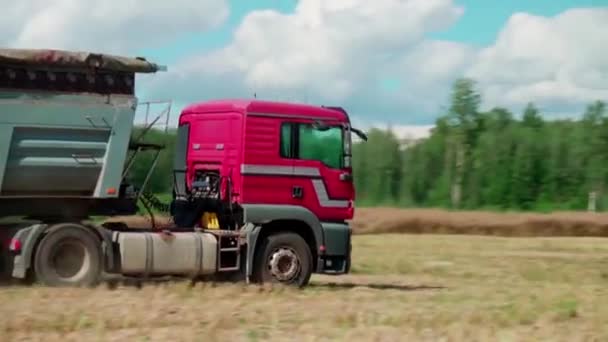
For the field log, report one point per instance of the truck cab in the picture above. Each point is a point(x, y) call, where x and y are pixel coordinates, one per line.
point(274, 153)
point(279, 165)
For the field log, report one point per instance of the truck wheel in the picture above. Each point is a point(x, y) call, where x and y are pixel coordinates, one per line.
point(283, 258)
point(68, 256)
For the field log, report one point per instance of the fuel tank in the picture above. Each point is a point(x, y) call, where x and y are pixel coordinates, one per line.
point(183, 253)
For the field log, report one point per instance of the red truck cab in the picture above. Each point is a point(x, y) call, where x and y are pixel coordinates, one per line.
point(273, 165)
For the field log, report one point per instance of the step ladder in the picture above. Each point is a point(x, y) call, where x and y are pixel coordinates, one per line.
point(228, 250)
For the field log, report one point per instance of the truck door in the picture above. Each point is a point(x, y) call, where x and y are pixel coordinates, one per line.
point(322, 183)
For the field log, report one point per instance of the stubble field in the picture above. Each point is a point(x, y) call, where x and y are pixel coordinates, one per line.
point(404, 287)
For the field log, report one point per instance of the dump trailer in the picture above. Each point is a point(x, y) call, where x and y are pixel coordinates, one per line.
point(262, 190)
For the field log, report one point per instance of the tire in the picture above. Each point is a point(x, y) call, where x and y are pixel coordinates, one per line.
point(68, 256)
point(278, 252)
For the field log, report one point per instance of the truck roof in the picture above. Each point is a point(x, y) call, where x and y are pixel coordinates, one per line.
point(75, 60)
point(267, 107)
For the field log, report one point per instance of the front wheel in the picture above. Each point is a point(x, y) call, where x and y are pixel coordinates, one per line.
point(283, 258)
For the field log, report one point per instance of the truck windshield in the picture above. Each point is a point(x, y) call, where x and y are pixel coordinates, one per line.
point(325, 145)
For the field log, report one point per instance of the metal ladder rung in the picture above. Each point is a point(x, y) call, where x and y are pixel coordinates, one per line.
point(230, 249)
point(234, 268)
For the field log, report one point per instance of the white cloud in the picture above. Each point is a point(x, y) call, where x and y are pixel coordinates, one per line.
point(334, 52)
point(324, 43)
point(559, 62)
point(412, 131)
point(340, 51)
point(427, 71)
point(117, 26)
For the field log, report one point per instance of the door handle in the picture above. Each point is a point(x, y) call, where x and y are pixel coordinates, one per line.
point(296, 192)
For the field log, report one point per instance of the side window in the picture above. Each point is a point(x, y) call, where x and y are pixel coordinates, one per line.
point(181, 147)
point(286, 141)
point(302, 141)
point(322, 145)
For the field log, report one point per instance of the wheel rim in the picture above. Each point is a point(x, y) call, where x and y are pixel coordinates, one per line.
point(284, 264)
point(69, 259)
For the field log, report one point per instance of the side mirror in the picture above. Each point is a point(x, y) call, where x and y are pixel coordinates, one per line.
point(359, 133)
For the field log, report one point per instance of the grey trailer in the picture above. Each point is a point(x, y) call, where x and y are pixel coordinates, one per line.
point(66, 120)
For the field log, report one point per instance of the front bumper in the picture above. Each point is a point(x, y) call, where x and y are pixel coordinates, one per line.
point(336, 258)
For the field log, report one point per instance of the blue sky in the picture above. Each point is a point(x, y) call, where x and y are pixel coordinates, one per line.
point(483, 19)
point(196, 42)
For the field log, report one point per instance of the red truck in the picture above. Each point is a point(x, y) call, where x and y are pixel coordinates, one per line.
point(286, 169)
point(262, 190)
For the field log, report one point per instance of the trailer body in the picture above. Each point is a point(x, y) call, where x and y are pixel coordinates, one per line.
point(262, 190)
point(66, 120)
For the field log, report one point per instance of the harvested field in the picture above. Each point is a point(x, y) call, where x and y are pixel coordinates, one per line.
point(404, 288)
point(434, 221)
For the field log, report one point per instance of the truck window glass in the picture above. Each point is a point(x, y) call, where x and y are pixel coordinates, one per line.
point(325, 146)
point(181, 147)
point(179, 161)
point(286, 140)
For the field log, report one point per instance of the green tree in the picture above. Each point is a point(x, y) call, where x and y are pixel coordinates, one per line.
point(595, 149)
point(466, 124)
point(161, 179)
point(532, 117)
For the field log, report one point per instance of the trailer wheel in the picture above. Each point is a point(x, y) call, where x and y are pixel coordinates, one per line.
point(68, 256)
point(283, 258)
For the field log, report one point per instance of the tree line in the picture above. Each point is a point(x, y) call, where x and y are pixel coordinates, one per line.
point(472, 159)
point(477, 159)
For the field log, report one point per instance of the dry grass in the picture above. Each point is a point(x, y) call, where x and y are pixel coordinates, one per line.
point(404, 287)
point(434, 221)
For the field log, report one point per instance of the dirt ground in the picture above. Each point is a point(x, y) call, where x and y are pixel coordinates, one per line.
point(435, 221)
point(403, 288)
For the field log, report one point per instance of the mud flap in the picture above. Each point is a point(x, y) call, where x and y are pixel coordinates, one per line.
point(350, 251)
point(252, 232)
point(28, 237)
point(336, 259)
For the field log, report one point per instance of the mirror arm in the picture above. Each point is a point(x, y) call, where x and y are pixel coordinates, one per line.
point(359, 133)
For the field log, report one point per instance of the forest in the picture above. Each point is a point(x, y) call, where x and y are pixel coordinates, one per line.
point(472, 159)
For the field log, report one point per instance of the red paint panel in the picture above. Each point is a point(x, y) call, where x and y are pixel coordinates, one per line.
point(334, 187)
point(267, 189)
point(215, 142)
point(262, 143)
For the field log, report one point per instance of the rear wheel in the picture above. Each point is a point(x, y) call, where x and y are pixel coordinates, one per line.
point(283, 258)
point(68, 256)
